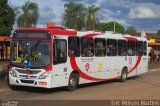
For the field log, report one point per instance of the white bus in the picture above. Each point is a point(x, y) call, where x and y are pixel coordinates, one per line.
point(54, 57)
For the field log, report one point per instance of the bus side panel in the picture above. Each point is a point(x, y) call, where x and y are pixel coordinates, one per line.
point(131, 61)
point(86, 66)
point(60, 77)
point(143, 65)
point(111, 67)
point(100, 67)
point(121, 62)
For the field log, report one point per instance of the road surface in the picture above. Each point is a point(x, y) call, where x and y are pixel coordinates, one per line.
point(146, 87)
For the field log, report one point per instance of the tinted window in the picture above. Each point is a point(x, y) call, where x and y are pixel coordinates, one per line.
point(131, 48)
point(100, 48)
point(140, 48)
point(145, 48)
point(122, 45)
point(73, 47)
point(59, 51)
point(87, 47)
point(111, 47)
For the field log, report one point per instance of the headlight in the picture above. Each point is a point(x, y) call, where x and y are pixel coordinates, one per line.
point(44, 75)
point(12, 73)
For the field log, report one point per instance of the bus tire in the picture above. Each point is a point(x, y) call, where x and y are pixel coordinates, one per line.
point(73, 82)
point(13, 87)
point(123, 75)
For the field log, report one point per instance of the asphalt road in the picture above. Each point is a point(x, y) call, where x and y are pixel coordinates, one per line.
point(146, 87)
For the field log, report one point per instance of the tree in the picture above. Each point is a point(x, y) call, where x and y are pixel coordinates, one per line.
point(74, 16)
point(92, 19)
point(158, 32)
point(131, 30)
point(110, 27)
point(29, 16)
point(7, 18)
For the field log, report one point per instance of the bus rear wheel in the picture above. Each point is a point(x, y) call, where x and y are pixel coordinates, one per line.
point(73, 82)
point(124, 75)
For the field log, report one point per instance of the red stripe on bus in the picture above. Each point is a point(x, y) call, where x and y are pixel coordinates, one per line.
point(131, 38)
point(85, 76)
point(91, 35)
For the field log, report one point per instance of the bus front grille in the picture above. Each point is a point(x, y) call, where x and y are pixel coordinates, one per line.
point(27, 81)
point(22, 71)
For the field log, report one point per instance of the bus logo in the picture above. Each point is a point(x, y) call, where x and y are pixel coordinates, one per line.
point(130, 60)
point(87, 67)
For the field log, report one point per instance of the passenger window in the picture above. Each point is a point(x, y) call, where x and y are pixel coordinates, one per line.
point(145, 48)
point(131, 51)
point(111, 47)
point(73, 47)
point(140, 48)
point(122, 45)
point(100, 48)
point(87, 47)
point(59, 51)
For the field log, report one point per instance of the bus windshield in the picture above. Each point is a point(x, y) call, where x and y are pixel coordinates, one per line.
point(32, 54)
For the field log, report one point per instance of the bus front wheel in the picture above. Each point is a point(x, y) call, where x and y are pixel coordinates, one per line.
point(73, 82)
point(124, 75)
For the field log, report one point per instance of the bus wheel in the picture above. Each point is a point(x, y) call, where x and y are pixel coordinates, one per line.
point(13, 87)
point(73, 82)
point(123, 75)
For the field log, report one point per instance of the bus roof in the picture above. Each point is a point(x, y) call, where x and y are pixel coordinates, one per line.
point(94, 34)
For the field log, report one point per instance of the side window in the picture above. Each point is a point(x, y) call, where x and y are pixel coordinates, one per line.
point(87, 47)
point(139, 48)
point(59, 51)
point(131, 51)
point(73, 47)
point(122, 45)
point(145, 48)
point(100, 48)
point(111, 47)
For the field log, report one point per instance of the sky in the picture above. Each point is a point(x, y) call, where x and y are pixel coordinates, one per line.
point(144, 15)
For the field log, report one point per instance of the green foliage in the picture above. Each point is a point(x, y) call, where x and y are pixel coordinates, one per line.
point(158, 32)
point(74, 16)
point(92, 20)
point(110, 27)
point(7, 17)
point(29, 16)
point(77, 16)
point(131, 30)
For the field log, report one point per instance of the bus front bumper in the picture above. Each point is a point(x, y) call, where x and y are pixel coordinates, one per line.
point(41, 83)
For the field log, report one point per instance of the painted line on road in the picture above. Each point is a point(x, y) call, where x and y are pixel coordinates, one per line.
point(154, 70)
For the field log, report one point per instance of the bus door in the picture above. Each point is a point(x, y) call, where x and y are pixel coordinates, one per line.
point(142, 52)
point(60, 61)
